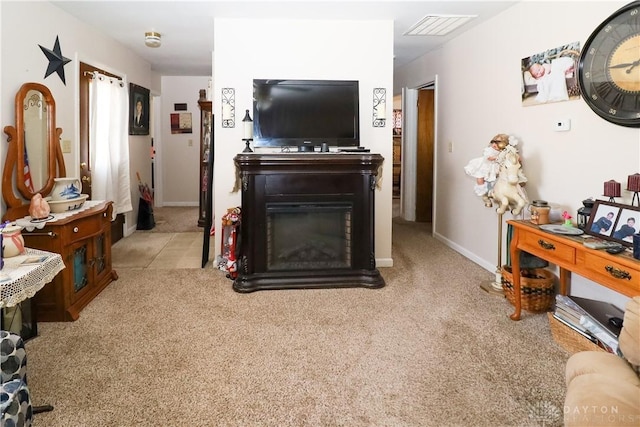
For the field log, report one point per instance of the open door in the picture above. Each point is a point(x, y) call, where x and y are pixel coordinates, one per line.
point(424, 155)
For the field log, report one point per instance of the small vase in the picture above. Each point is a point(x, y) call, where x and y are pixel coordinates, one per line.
point(66, 189)
point(12, 241)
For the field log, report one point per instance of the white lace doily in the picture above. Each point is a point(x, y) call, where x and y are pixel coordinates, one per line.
point(29, 224)
point(19, 282)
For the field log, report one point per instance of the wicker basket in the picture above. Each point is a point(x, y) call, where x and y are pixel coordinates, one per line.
point(569, 339)
point(536, 292)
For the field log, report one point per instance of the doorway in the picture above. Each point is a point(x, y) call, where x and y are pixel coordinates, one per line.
point(419, 136)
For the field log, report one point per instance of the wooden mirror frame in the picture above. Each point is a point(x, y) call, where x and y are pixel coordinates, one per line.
point(18, 206)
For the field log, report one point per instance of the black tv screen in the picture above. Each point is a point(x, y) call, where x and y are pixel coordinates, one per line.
point(305, 112)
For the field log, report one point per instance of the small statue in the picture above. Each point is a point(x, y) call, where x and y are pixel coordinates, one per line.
point(39, 208)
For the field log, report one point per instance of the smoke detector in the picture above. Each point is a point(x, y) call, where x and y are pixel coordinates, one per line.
point(152, 39)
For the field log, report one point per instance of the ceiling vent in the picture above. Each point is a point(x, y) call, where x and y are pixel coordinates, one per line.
point(437, 25)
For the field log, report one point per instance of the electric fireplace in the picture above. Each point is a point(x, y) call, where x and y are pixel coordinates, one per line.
point(307, 221)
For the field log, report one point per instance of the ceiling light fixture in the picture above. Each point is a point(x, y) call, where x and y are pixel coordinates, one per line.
point(437, 25)
point(152, 39)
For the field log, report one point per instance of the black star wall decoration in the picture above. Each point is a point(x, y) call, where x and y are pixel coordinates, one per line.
point(56, 60)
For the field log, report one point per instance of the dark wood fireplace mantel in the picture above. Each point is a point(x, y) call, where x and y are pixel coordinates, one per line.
point(307, 221)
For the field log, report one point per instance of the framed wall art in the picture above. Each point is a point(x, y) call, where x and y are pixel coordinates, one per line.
point(551, 75)
point(181, 123)
point(614, 221)
point(138, 110)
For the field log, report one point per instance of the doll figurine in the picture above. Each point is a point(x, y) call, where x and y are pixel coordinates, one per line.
point(485, 169)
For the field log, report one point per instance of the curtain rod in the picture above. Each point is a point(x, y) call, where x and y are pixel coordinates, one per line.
point(93, 74)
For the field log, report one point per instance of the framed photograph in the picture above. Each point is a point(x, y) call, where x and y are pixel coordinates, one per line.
point(614, 221)
point(138, 110)
point(551, 75)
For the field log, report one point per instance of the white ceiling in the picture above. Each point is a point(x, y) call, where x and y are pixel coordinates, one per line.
point(187, 26)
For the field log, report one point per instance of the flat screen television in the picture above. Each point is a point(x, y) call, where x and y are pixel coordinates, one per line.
point(288, 113)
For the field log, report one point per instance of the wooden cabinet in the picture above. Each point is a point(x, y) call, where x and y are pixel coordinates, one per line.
point(397, 165)
point(206, 153)
point(84, 242)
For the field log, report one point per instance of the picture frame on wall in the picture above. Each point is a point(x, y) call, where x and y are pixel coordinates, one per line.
point(138, 110)
point(550, 75)
point(614, 221)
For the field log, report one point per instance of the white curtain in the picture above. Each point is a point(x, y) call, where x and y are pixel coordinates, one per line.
point(109, 142)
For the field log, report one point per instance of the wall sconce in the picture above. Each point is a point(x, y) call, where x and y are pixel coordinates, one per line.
point(611, 190)
point(633, 184)
point(248, 132)
point(379, 107)
point(228, 107)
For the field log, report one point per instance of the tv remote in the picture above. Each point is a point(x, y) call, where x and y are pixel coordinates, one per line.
point(602, 244)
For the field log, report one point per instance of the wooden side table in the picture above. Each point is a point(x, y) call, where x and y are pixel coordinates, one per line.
point(20, 281)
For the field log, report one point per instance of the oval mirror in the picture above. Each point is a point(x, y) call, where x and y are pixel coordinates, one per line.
point(34, 148)
point(36, 154)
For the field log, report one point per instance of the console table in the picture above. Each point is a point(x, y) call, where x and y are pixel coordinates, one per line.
point(620, 273)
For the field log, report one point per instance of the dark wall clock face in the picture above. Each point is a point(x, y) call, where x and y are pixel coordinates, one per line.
point(609, 67)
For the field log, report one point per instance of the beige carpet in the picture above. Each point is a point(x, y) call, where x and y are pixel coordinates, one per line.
point(180, 348)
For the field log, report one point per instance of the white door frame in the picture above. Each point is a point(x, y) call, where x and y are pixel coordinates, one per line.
point(410, 147)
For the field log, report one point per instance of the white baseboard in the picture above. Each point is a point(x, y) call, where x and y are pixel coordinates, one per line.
point(384, 262)
point(178, 204)
point(464, 252)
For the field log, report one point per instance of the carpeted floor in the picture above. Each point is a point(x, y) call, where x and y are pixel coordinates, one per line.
point(180, 348)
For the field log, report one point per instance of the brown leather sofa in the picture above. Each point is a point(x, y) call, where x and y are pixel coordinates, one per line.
point(603, 389)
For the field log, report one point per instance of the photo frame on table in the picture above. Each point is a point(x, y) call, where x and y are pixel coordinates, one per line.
point(138, 110)
point(614, 221)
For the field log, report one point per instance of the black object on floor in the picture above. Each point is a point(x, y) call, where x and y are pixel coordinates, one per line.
point(145, 215)
point(42, 408)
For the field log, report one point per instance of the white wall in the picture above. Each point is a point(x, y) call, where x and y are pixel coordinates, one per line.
point(479, 96)
point(25, 26)
point(178, 155)
point(279, 49)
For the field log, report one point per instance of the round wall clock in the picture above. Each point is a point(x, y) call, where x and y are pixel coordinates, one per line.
point(609, 67)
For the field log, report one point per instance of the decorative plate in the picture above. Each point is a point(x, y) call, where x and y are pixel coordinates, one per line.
point(38, 220)
point(562, 229)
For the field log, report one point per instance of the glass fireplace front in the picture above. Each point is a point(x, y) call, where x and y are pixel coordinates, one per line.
point(304, 236)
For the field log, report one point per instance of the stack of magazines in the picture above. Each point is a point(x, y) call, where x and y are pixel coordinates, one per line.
point(591, 319)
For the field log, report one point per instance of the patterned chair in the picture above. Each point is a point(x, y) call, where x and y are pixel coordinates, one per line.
point(15, 399)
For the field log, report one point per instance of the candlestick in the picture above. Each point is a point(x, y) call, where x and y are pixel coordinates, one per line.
point(611, 189)
point(633, 184)
point(248, 126)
